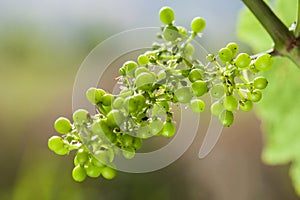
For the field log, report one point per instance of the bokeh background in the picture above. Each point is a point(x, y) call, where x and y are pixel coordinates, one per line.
point(42, 45)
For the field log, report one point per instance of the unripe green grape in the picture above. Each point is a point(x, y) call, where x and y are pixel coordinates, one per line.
point(166, 15)
point(189, 50)
point(217, 91)
point(168, 130)
point(143, 60)
point(144, 81)
point(210, 58)
point(93, 95)
point(80, 116)
point(260, 83)
point(144, 132)
point(230, 103)
point(216, 108)
point(183, 94)
point(170, 33)
point(106, 99)
point(198, 24)
point(128, 152)
point(115, 118)
point(108, 173)
point(56, 144)
point(118, 103)
point(62, 125)
point(125, 93)
point(140, 70)
point(82, 156)
point(233, 47)
point(105, 156)
point(199, 88)
point(246, 105)
point(97, 162)
point(226, 118)
point(195, 75)
point(197, 105)
point(130, 67)
point(104, 126)
point(255, 95)
point(182, 32)
point(79, 173)
point(137, 143)
point(264, 62)
point(243, 60)
point(122, 71)
point(127, 140)
point(156, 126)
point(92, 170)
point(225, 55)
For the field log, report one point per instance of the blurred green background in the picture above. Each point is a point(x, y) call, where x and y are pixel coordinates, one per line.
point(42, 45)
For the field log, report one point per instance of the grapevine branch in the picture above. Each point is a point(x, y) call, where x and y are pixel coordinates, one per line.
point(286, 43)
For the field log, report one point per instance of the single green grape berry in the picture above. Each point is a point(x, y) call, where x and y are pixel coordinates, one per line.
point(216, 108)
point(93, 95)
point(62, 125)
point(198, 24)
point(170, 33)
point(166, 15)
point(125, 93)
point(210, 58)
point(128, 152)
point(226, 118)
point(199, 88)
point(118, 103)
point(80, 116)
point(115, 118)
point(122, 71)
point(108, 173)
point(144, 132)
point(143, 60)
point(130, 67)
point(156, 126)
point(260, 83)
point(97, 162)
point(78, 173)
point(92, 170)
point(246, 105)
point(195, 75)
point(264, 62)
point(140, 70)
point(168, 130)
point(243, 60)
point(225, 55)
point(137, 143)
point(230, 103)
point(217, 91)
point(197, 105)
point(183, 94)
point(106, 99)
point(127, 140)
point(105, 156)
point(144, 81)
point(255, 95)
point(233, 47)
point(182, 32)
point(55, 143)
point(82, 156)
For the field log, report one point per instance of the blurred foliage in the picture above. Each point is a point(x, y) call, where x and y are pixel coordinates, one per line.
point(280, 108)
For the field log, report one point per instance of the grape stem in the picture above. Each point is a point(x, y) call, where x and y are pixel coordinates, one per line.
point(286, 42)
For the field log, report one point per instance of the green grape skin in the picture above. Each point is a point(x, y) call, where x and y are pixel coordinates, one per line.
point(93, 95)
point(82, 156)
point(217, 91)
point(255, 95)
point(225, 55)
point(233, 47)
point(144, 81)
point(97, 162)
point(264, 62)
point(260, 83)
point(130, 67)
point(143, 60)
point(137, 143)
point(230, 103)
point(105, 156)
point(118, 103)
point(156, 126)
point(122, 71)
point(92, 171)
point(183, 94)
point(166, 15)
point(127, 140)
point(79, 173)
point(197, 105)
point(226, 118)
point(243, 60)
point(216, 108)
point(125, 93)
point(135, 103)
point(140, 70)
point(128, 152)
point(170, 33)
point(195, 75)
point(144, 132)
point(108, 173)
point(115, 118)
point(168, 130)
point(57, 145)
point(198, 24)
point(106, 99)
point(199, 88)
point(246, 105)
point(62, 125)
point(80, 116)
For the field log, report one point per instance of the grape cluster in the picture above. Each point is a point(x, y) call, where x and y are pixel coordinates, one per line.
point(149, 86)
